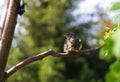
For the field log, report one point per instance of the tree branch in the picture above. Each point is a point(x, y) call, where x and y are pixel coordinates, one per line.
point(44, 54)
point(7, 35)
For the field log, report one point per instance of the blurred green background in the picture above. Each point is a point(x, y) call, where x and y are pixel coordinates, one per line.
point(43, 26)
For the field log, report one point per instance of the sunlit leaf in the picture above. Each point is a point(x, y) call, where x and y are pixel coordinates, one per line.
point(116, 6)
point(114, 74)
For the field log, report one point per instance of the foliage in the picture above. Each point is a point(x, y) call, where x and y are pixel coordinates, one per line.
point(111, 50)
point(114, 74)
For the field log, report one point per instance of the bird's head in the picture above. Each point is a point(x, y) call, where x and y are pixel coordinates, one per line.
point(70, 34)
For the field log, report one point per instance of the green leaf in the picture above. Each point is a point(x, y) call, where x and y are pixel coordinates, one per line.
point(106, 51)
point(116, 45)
point(116, 6)
point(114, 74)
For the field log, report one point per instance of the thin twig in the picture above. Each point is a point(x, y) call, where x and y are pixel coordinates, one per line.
point(44, 54)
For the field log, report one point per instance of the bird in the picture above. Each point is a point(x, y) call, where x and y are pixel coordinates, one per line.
point(72, 43)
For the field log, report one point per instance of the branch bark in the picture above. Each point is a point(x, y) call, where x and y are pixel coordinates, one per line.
point(7, 35)
point(44, 54)
point(3, 18)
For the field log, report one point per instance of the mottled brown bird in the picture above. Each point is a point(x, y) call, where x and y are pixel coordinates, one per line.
point(72, 43)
